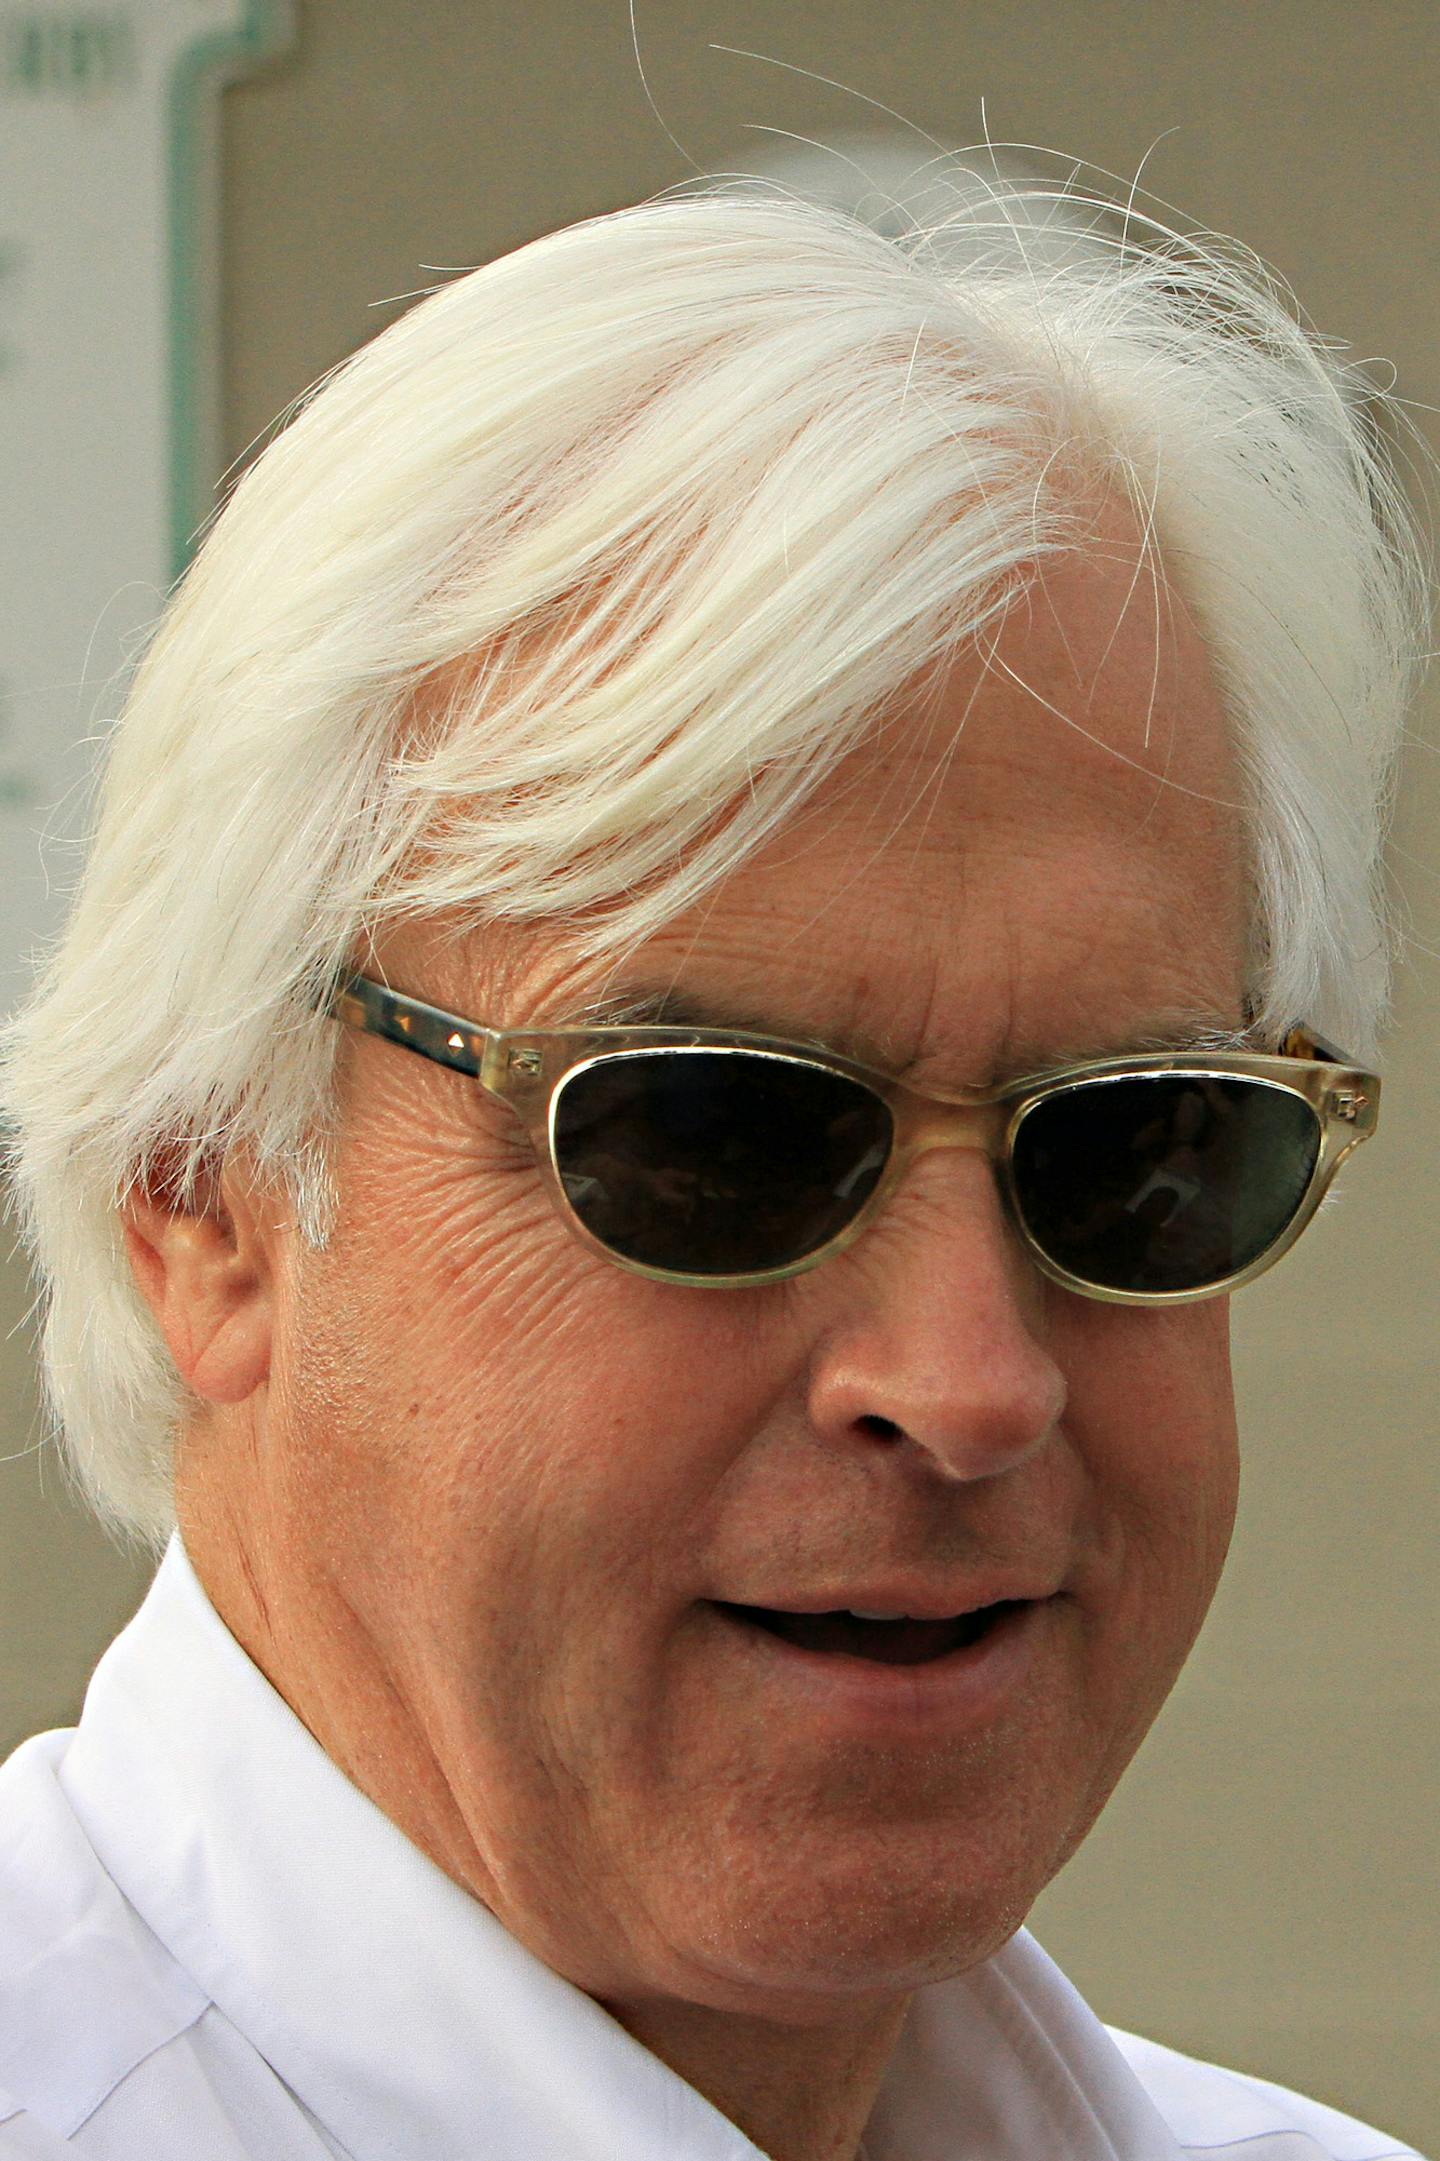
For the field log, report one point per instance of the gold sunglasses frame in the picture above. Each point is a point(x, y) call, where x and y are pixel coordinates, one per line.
point(526, 1069)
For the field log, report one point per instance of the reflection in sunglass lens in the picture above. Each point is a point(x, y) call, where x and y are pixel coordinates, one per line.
point(716, 1162)
point(1164, 1183)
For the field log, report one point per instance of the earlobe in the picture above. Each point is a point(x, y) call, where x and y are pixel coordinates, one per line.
point(203, 1269)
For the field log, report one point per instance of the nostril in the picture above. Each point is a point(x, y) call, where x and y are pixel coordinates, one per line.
point(879, 1429)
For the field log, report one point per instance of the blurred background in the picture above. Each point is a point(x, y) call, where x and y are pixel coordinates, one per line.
point(1264, 1888)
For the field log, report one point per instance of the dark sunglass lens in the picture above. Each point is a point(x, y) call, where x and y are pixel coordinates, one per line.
point(1163, 1184)
point(716, 1162)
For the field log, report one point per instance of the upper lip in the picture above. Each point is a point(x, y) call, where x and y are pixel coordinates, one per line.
point(922, 1602)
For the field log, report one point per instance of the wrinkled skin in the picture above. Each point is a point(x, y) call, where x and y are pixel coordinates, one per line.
point(463, 1488)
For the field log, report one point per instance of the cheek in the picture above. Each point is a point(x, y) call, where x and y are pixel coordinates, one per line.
point(519, 1416)
point(1152, 1415)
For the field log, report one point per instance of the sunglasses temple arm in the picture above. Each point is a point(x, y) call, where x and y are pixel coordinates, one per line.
point(445, 1038)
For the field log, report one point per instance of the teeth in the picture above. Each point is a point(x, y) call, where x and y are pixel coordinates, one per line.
point(856, 1615)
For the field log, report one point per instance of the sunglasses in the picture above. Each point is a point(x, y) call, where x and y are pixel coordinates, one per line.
point(721, 1158)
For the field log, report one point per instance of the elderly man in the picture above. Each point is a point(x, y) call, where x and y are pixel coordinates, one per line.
point(737, 893)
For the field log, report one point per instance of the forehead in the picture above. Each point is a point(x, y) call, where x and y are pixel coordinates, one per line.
point(1035, 853)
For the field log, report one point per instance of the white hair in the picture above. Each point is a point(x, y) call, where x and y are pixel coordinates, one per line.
point(565, 591)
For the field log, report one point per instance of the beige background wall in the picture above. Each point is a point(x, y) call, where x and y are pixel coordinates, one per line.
point(1264, 1887)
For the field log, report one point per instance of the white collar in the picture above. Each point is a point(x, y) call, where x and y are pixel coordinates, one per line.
point(409, 2021)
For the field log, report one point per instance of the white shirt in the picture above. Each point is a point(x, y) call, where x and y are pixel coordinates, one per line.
point(214, 1948)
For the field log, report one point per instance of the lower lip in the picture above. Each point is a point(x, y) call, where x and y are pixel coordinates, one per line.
point(969, 1687)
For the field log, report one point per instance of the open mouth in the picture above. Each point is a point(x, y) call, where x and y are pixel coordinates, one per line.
point(899, 1642)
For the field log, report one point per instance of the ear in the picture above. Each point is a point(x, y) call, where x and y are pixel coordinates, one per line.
point(205, 1266)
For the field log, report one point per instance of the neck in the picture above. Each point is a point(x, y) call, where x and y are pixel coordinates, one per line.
point(799, 2093)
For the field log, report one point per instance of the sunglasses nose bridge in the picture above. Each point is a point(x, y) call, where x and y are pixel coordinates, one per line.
point(923, 1125)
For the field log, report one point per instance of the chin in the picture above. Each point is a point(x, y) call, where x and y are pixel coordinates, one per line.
point(849, 1936)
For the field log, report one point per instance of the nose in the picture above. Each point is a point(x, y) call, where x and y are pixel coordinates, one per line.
point(935, 1330)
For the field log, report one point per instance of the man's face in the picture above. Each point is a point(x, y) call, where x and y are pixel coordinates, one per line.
point(501, 1487)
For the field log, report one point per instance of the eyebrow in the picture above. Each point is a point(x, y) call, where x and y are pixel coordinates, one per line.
point(1187, 1031)
point(684, 1009)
